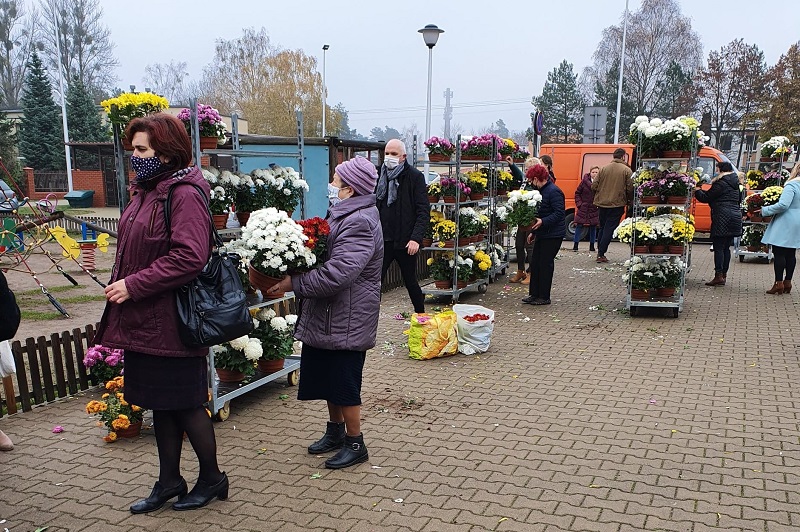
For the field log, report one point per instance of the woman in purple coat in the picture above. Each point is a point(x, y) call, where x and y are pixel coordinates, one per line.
point(340, 303)
point(141, 317)
point(587, 216)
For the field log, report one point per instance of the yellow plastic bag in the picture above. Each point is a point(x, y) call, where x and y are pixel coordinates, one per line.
point(432, 336)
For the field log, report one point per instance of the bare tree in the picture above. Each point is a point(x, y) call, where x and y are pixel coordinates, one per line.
point(17, 34)
point(658, 35)
point(780, 107)
point(730, 84)
point(168, 80)
point(87, 51)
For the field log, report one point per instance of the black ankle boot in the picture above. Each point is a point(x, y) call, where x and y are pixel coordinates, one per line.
point(591, 247)
point(354, 452)
point(331, 441)
point(158, 497)
point(203, 493)
point(574, 247)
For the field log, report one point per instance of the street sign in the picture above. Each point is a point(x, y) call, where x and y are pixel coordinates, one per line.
point(594, 125)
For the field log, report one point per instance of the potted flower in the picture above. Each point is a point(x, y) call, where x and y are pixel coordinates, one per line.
point(752, 203)
point(276, 334)
point(441, 270)
point(103, 363)
point(649, 192)
point(505, 182)
point(648, 135)
point(463, 267)
point(751, 237)
point(235, 360)
point(520, 154)
point(523, 205)
point(212, 128)
point(467, 225)
point(439, 149)
point(435, 218)
point(445, 232)
point(278, 247)
point(636, 231)
point(677, 187)
point(481, 262)
point(682, 232)
point(500, 217)
point(477, 183)
point(480, 148)
point(284, 187)
point(129, 105)
point(507, 147)
point(776, 148)
point(640, 273)
point(434, 192)
point(755, 179)
point(122, 419)
point(668, 277)
point(661, 234)
point(771, 196)
point(316, 230)
point(452, 189)
point(220, 205)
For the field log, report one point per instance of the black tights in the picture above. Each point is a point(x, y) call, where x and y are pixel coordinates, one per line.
point(722, 253)
point(170, 426)
point(785, 259)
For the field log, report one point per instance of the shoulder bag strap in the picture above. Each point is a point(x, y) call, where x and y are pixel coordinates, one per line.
point(216, 240)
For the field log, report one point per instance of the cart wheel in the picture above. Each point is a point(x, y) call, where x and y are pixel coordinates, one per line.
point(675, 312)
point(223, 412)
point(503, 271)
point(482, 288)
point(741, 258)
point(293, 378)
point(632, 311)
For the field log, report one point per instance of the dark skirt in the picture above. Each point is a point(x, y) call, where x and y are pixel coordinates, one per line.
point(333, 376)
point(165, 383)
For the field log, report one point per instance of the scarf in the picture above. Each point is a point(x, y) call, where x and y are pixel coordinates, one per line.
point(388, 184)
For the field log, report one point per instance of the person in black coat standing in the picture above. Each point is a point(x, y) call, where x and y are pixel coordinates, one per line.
point(405, 214)
point(725, 199)
point(548, 229)
point(9, 323)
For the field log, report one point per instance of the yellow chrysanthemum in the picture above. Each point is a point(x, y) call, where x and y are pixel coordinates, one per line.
point(112, 436)
point(120, 423)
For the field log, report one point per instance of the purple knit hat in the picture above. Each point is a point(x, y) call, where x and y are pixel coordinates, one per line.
point(360, 174)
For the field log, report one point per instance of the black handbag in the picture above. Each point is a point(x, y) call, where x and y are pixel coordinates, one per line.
point(9, 311)
point(212, 308)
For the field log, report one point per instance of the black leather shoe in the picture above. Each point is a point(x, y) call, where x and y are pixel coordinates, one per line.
point(540, 302)
point(354, 452)
point(203, 493)
point(331, 441)
point(528, 299)
point(158, 497)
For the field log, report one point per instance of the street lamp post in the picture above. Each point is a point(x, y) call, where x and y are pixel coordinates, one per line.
point(430, 34)
point(324, 89)
point(621, 69)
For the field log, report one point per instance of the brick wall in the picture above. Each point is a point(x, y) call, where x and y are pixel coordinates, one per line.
point(81, 180)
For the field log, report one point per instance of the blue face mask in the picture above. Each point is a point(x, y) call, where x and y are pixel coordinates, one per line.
point(333, 195)
point(146, 167)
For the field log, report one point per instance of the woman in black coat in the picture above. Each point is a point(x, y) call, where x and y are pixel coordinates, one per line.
point(725, 199)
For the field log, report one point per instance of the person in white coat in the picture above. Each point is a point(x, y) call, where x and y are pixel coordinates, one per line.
point(783, 233)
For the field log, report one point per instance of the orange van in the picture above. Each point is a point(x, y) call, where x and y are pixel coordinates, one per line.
point(572, 161)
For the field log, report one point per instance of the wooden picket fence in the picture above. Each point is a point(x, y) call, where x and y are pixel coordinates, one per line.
point(47, 369)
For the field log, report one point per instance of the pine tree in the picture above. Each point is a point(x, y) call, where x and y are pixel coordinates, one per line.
point(562, 105)
point(85, 124)
point(40, 137)
point(605, 94)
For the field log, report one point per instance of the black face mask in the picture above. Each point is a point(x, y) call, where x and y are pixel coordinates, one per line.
point(146, 167)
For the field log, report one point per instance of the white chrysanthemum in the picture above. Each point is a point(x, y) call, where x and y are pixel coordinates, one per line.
point(291, 319)
point(239, 343)
point(253, 350)
point(278, 323)
point(265, 314)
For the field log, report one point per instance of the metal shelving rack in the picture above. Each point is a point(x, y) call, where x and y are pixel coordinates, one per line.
point(223, 393)
point(738, 249)
point(490, 201)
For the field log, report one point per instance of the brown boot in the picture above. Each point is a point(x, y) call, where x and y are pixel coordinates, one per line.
point(526, 280)
point(787, 286)
point(519, 276)
point(718, 280)
point(777, 288)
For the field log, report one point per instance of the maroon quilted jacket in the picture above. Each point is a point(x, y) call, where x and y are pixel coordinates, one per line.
point(586, 212)
point(154, 265)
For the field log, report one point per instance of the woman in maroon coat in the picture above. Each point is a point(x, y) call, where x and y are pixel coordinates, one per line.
point(161, 374)
point(586, 213)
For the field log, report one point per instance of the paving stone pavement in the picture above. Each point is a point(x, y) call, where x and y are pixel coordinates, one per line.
point(578, 418)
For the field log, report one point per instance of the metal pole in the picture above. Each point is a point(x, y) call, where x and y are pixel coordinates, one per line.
point(67, 153)
point(621, 69)
point(324, 90)
point(428, 108)
point(195, 124)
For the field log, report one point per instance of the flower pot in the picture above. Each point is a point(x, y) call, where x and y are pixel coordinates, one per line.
point(665, 292)
point(433, 199)
point(263, 282)
point(220, 220)
point(477, 238)
point(464, 241)
point(641, 249)
point(658, 249)
point(477, 196)
point(133, 430)
point(208, 143)
point(461, 284)
point(518, 160)
point(651, 154)
point(447, 243)
point(675, 249)
point(755, 218)
point(449, 199)
point(465, 157)
point(227, 375)
point(676, 200)
point(242, 217)
point(525, 227)
point(438, 158)
point(676, 154)
point(269, 366)
point(443, 285)
point(650, 199)
point(427, 242)
point(752, 249)
point(768, 159)
point(767, 218)
point(502, 191)
point(639, 295)
point(502, 226)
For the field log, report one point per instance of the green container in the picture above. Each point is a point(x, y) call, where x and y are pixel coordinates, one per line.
point(80, 199)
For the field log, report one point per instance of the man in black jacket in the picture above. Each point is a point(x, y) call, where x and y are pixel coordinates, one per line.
point(405, 214)
point(9, 323)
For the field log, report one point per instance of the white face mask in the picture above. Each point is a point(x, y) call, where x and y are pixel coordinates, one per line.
point(333, 195)
point(391, 161)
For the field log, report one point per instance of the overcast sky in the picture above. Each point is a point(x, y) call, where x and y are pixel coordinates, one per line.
point(493, 55)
